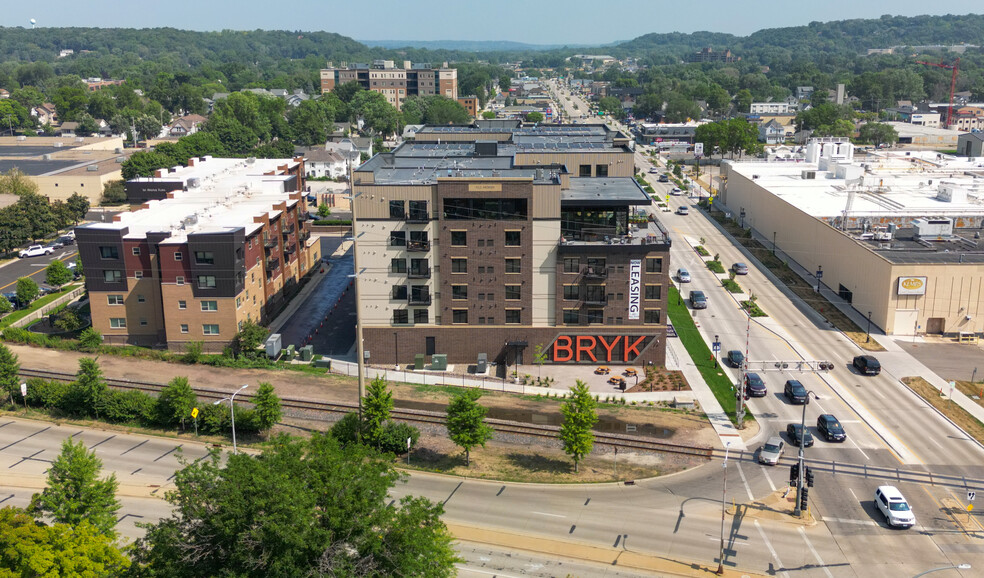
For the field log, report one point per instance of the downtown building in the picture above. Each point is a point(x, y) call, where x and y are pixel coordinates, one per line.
point(212, 246)
point(396, 84)
point(503, 240)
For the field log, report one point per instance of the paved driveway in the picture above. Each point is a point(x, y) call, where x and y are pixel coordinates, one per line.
point(948, 360)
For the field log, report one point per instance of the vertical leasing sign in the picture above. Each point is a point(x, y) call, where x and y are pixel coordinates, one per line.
point(635, 287)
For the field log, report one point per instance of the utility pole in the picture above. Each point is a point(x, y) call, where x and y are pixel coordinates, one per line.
point(724, 505)
point(740, 409)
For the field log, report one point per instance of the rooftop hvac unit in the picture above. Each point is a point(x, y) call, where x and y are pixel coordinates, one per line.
point(46, 157)
point(250, 160)
point(929, 229)
point(194, 183)
point(21, 137)
point(120, 160)
point(92, 168)
point(79, 139)
point(118, 150)
point(58, 145)
point(808, 175)
point(190, 220)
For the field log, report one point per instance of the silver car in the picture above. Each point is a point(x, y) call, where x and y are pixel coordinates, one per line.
point(772, 451)
point(683, 275)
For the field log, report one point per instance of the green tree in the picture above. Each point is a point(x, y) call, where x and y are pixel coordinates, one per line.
point(9, 372)
point(466, 421)
point(90, 340)
point(878, 133)
point(488, 114)
point(312, 121)
point(379, 115)
point(612, 106)
point(145, 164)
point(443, 110)
point(376, 409)
point(347, 91)
point(68, 319)
point(679, 108)
point(15, 229)
point(32, 548)
point(15, 182)
point(249, 339)
point(534, 116)
point(175, 402)
point(267, 407)
point(147, 127)
point(113, 193)
point(579, 417)
point(5, 305)
point(78, 206)
point(302, 508)
point(88, 388)
point(27, 291)
point(57, 273)
point(75, 494)
point(37, 210)
point(744, 100)
point(87, 125)
point(324, 211)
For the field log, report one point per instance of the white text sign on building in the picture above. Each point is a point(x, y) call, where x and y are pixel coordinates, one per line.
point(912, 285)
point(635, 287)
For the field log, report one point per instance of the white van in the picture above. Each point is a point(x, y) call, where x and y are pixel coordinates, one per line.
point(893, 506)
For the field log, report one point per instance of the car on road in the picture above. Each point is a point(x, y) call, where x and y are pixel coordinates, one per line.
point(735, 358)
point(56, 244)
point(867, 365)
point(36, 251)
point(683, 210)
point(890, 501)
point(794, 391)
point(755, 386)
point(676, 191)
point(663, 178)
point(698, 300)
point(653, 171)
point(67, 240)
point(830, 428)
point(683, 275)
point(740, 269)
point(12, 298)
point(798, 433)
point(771, 451)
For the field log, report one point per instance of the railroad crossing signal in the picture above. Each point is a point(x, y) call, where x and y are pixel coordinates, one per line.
point(971, 496)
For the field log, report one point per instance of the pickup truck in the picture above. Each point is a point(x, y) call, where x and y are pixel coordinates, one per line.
point(36, 251)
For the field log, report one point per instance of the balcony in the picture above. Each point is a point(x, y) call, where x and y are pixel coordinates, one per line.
point(272, 263)
point(595, 301)
point(304, 236)
point(592, 272)
point(419, 299)
point(418, 246)
point(269, 242)
point(288, 229)
point(290, 249)
point(419, 273)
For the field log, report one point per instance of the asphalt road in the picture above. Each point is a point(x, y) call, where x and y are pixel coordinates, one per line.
point(32, 267)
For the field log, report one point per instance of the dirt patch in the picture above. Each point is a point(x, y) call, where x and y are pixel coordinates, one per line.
point(957, 414)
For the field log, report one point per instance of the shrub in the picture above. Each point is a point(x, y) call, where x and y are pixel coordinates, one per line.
point(193, 352)
point(346, 430)
point(214, 419)
point(126, 407)
point(393, 438)
point(44, 393)
point(90, 340)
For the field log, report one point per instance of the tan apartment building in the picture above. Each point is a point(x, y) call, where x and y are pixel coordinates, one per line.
point(62, 166)
point(196, 264)
point(897, 236)
point(483, 247)
point(396, 84)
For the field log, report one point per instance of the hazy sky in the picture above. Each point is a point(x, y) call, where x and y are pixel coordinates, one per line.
point(557, 22)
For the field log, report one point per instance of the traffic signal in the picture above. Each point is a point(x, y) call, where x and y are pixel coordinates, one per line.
point(809, 477)
point(803, 499)
point(794, 472)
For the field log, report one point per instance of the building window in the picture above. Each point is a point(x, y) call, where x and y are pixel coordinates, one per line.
point(138, 274)
point(400, 292)
point(571, 317)
point(239, 302)
point(136, 250)
point(459, 316)
point(512, 292)
point(651, 317)
point(398, 266)
point(572, 292)
point(206, 281)
point(143, 322)
point(117, 322)
point(112, 276)
point(481, 242)
point(401, 316)
point(601, 170)
point(654, 265)
point(572, 264)
point(114, 299)
point(204, 258)
point(513, 238)
point(584, 170)
point(490, 269)
point(459, 265)
point(398, 239)
point(654, 292)
point(109, 253)
point(459, 292)
point(397, 210)
point(141, 299)
point(210, 329)
point(420, 316)
point(513, 265)
point(596, 316)
point(182, 304)
point(179, 280)
point(179, 256)
point(184, 328)
point(210, 305)
point(459, 238)
point(513, 315)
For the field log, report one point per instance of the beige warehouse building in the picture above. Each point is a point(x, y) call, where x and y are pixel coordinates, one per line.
point(898, 235)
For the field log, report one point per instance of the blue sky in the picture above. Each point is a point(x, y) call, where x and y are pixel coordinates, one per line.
point(557, 22)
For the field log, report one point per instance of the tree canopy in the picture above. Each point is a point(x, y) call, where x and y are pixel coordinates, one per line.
point(75, 494)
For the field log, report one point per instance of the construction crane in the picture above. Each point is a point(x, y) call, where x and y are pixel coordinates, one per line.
point(953, 84)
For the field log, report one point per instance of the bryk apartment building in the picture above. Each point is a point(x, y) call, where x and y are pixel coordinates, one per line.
point(495, 239)
point(213, 245)
point(396, 84)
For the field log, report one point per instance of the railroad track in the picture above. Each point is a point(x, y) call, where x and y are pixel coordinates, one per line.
point(321, 410)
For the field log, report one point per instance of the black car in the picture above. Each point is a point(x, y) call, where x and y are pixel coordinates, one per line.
point(736, 358)
point(795, 432)
point(867, 365)
point(755, 386)
point(830, 428)
point(794, 391)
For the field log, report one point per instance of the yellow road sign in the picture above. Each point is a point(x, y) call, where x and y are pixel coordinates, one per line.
point(970, 507)
point(194, 413)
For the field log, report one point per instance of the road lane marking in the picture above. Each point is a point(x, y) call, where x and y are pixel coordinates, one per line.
point(847, 521)
point(477, 571)
point(815, 553)
point(551, 515)
point(768, 478)
point(745, 481)
point(772, 550)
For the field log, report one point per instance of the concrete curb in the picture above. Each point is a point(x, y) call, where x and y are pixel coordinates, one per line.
point(941, 414)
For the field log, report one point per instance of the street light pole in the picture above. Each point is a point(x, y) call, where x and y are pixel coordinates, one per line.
point(799, 482)
point(819, 276)
point(232, 409)
point(724, 505)
point(867, 334)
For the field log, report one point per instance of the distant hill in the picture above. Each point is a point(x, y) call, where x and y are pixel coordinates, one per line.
point(469, 45)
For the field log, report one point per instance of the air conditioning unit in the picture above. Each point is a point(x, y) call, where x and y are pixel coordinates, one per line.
point(92, 168)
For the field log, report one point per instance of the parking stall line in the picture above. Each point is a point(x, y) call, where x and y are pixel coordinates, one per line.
point(94, 446)
point(168, 452)
point(134, 447)
point(40, 431)
point(816, 554)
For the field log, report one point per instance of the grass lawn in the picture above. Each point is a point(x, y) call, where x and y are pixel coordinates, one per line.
point(35, 305)
point(719, 383)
